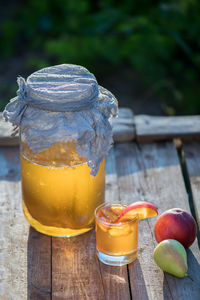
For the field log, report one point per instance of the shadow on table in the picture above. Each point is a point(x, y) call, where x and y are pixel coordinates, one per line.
point(137, 282)
point(39, 266)
point(184, 288)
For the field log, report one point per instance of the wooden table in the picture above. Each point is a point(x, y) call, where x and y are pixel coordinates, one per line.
point(38, 267)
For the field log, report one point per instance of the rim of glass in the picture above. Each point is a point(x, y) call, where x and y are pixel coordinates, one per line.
point(114, 224)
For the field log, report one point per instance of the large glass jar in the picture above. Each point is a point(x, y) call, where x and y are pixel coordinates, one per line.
point(63, 144)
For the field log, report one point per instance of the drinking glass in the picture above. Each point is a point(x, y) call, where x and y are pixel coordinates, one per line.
point(116, 242)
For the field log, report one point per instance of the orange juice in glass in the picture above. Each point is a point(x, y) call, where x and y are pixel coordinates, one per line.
point(117, 243)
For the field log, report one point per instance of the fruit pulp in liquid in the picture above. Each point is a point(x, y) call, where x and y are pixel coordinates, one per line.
point(115, 238)
point(60, 199)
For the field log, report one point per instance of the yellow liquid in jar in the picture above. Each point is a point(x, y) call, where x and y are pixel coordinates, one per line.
point(60, 200)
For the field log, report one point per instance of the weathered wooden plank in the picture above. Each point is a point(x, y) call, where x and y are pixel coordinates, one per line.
point(192, 159)
point(112, 189)
point(115, 280)
point(127, 127)
point(5, 134)
point(123, 129)
point(123, 126)
point(22, 268)
point(152, 173)
point(156, 128)
point(39, 266)
point(13, 231)
point(76, 271)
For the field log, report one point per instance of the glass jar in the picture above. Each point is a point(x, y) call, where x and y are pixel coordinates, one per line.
point(62, 147)
point(59, 193)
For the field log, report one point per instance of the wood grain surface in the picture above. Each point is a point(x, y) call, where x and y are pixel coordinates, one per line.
point(152, 173)
point(39, 266)
point(76, 271)
point(14, 229)
point(192, 159)
point(123, 126)
point(115, 280)
point(158, 128)
point(25, 255)
point(35, 266)
point(6, 130)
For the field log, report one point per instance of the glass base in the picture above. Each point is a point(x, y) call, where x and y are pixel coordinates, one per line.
point(116, 260)
point(51, 230)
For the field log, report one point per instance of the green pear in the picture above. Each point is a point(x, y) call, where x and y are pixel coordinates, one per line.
point(171, 257)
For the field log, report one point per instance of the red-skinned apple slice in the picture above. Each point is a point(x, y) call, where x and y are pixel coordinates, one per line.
point(143, 209)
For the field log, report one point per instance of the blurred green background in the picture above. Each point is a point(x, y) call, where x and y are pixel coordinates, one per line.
point(145, 52)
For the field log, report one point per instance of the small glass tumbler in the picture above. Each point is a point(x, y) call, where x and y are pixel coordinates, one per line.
point(116, 242)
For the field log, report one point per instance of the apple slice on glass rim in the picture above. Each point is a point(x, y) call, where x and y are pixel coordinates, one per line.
point(142, 209)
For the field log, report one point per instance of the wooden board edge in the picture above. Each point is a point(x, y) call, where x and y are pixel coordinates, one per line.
point(123, 129)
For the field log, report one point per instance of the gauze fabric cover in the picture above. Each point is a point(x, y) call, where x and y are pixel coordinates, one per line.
point(64, 103)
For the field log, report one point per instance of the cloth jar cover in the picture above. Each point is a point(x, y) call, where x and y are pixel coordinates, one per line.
point(64, 101)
